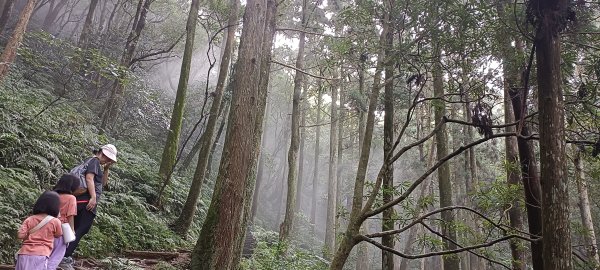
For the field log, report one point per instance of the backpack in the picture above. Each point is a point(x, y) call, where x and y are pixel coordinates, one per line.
point(79, 171)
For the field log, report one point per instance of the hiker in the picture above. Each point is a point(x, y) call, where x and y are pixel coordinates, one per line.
point(66, 185)
point(38, 232)
point(95, 172)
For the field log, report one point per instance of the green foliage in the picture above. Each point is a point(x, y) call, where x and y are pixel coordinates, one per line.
point(267, 255)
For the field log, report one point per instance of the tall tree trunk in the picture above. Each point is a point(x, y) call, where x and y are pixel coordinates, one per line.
point(356, 219)
point(53, 11)
point(332, 178)
point(292, 177)
point(515, 215)
point(221, 238)
point(10, 51)
point(363, 262)
point(189, 209)
point(445, 186)
point(316, 166)
point(302, 150)
point(112, 106)
point(6, 11)
point(584, 210)
point(387, 222)
point(551, 18)
point(170, 151)
point(339, 196)
point(265, 70)
point(86, 31)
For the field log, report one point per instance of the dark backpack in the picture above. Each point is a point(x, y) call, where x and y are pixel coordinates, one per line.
point(79, 171)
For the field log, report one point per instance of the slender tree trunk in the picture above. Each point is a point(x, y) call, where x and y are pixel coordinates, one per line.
point(302, 150)
point(112, 106)
point(339, 196)
point(515, 214)
point(531, 181)
point(170, 151)
point(316, 166)
point(86, 32)
point(584, 210)
point(221, 238)
point(10, 51)
point(356, 219)
point(363, 261)
point(292, 177)
point(551, 16)
point(332, 179)
point(387, 222)
point(6, 11)
point(451, 262)
point(50, 19)
point(184, 220)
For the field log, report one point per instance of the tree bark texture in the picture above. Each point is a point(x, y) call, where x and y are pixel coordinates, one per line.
point(551, 18)
point(387, 222)
point(10, 51)
point(292, 176)
point(184, 221)
point(302, 150)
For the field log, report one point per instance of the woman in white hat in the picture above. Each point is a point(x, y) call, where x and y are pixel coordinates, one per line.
point(95, 170)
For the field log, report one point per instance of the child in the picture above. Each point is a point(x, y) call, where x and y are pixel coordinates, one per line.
point(65, 187)
point(38, 241)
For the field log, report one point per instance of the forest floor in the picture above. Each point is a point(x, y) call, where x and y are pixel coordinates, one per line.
point(133, 260)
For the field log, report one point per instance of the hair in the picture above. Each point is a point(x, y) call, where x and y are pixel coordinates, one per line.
point(67, 184)
point(97, 151)
point(47, 203)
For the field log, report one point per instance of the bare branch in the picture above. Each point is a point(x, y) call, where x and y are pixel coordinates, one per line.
point(308, 32)
point(304, 72)
point(159, 52)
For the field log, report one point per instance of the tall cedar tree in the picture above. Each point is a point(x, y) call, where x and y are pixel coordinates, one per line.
point(316, 165)
point(10, 51)
point(184, 220)
point(292, 177)
point(550, 18)
point(220, 241)
point(170, 151)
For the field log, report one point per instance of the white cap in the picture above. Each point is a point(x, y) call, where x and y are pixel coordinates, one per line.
point(110, 151)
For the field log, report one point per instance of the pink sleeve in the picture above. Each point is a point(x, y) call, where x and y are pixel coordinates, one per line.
point(58, 229)
point(72, 209)
point(24, 229)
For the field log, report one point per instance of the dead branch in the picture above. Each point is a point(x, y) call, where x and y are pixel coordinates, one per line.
point(304, 72)
point(308, 32)
point(158, 52)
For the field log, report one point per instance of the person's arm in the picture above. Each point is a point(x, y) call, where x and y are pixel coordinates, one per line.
point(91, 188)
point(23, 230)
point(72, 222)
point(58, 228)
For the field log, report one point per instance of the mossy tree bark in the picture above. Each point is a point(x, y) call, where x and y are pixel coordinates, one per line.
point(292, 176)
point(10, 51)
point(170, 151)
point(551, 17)
point(183, 222)
point(222, 234)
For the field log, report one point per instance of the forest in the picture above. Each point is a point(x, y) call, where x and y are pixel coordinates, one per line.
point(308, 134)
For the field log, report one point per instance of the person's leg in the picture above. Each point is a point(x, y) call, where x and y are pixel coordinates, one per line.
point(58, 252)
point(30, 262)
point(83, 224)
